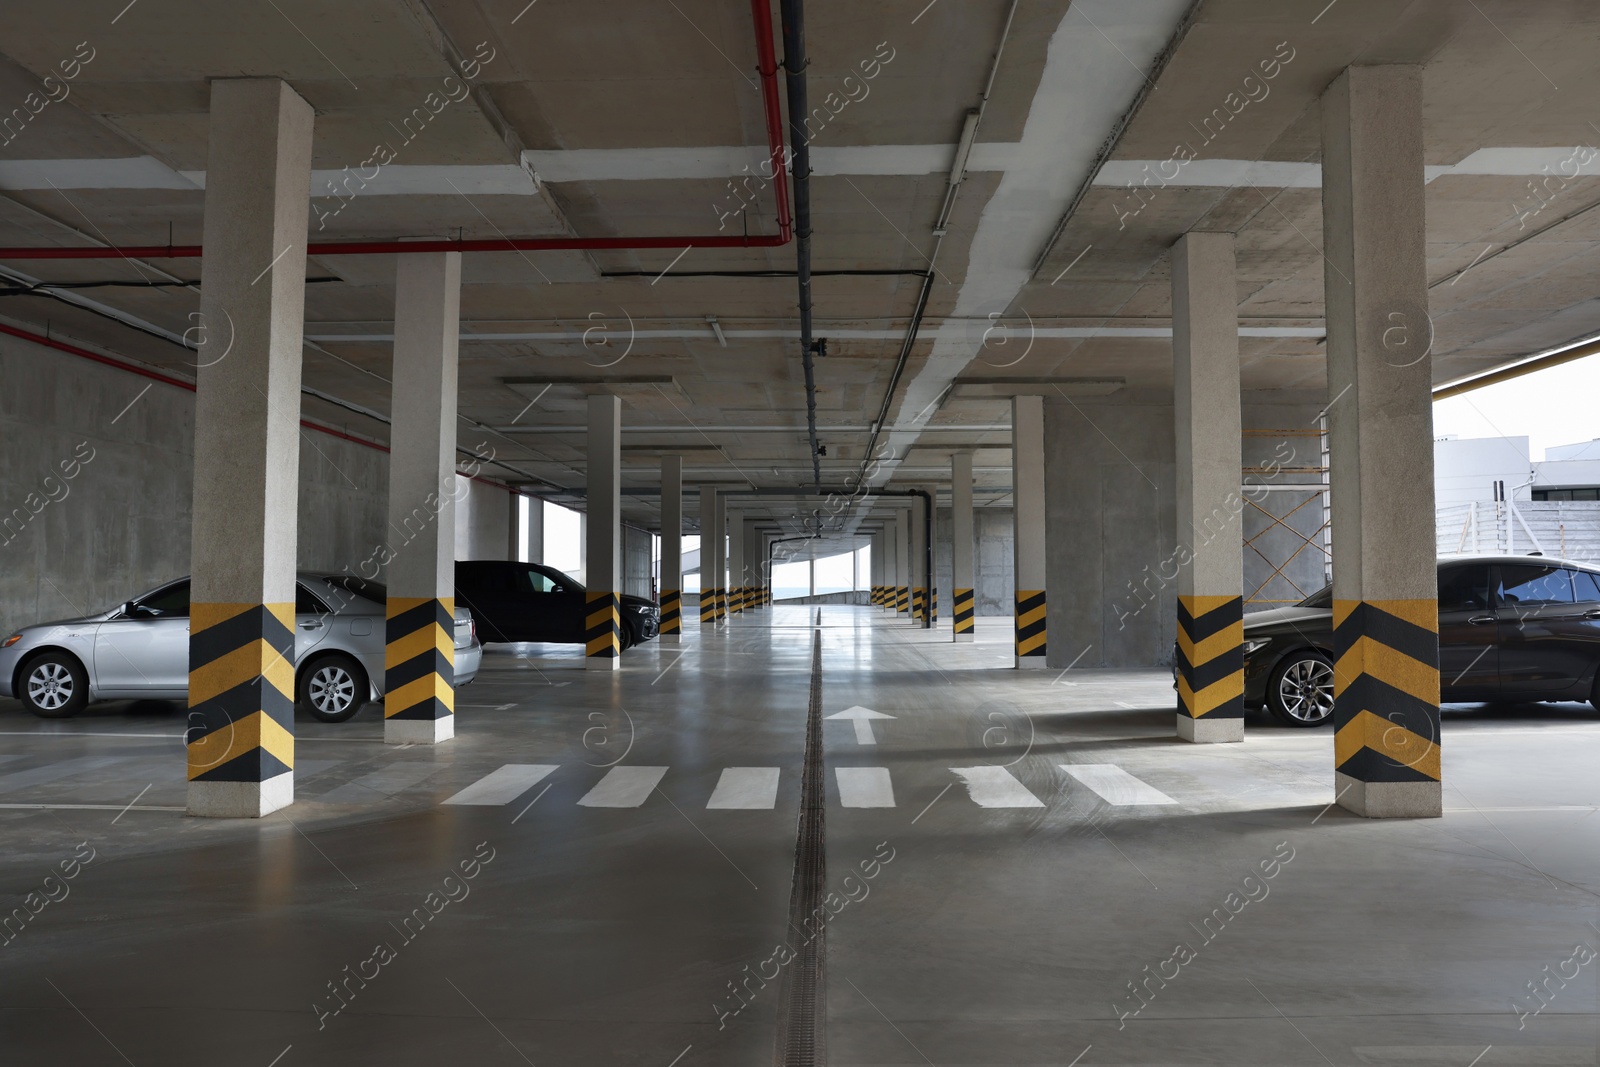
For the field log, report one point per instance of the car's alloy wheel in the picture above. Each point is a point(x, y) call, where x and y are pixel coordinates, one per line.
point(332, 689)
point(1302, 690)
point(54, 686)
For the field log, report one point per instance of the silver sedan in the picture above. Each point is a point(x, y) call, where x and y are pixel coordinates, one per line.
point(141, 650)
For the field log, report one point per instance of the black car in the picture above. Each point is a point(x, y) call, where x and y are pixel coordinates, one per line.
point(1511, 628)
point(530, 602)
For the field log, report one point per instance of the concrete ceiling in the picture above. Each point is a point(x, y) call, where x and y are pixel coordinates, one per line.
point(636, 118)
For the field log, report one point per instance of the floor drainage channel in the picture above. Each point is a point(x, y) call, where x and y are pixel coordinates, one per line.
point(802, 1013)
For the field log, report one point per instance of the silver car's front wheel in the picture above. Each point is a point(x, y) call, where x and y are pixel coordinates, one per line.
point(1301, 690)
point(54, 686)
point(333, 688)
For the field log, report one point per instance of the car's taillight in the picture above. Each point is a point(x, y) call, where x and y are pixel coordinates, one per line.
point(472, 627)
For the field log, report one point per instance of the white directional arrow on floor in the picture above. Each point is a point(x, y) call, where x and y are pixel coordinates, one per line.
point(862, 717)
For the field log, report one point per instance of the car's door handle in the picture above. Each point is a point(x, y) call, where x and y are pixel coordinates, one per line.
point(1479, 620)
point(1594, 614)
point(311, 624)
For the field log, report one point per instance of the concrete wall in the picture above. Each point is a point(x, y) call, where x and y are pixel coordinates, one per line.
point(483, 520)
point(994, 587)
point(344, 502)
point(1110, 486)
point(95, 484)
point(637, 561)
point(1111, 481)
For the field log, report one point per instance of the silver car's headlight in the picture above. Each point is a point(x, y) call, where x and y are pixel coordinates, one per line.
point(1256, 644)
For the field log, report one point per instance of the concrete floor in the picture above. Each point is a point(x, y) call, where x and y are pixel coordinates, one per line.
point(609, 935)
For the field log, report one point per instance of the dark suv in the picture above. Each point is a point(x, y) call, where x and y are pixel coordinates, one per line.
point(530, 602)
point(1511, 628)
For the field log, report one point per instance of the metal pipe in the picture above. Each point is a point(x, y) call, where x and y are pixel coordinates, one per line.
point(766, 64)
point(1543, 361)
point(794, 68)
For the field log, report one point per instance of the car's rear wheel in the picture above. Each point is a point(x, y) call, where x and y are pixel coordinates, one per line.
point(53, 685)
point(1300, 691)
point(333, 688)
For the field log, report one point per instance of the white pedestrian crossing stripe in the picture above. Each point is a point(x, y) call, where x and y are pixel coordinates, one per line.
point(996, 787)
point(623, 787)
point(502, 786)
point(746, 787)
point(864, 787)
point(756, 788)
point(1115, 785)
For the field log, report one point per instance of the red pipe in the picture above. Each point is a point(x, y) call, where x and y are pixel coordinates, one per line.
point(767, 65)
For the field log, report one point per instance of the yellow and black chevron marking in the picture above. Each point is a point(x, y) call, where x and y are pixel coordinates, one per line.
point(1030, 622)
point(1386, 690)
point(902, 598)
point(602, 626)
point(419, 658)
point(965, 611)
point(721, 596)
point(933, 605)
point(919, 602)
point(671, 611)
point(879, 595)
point(1211, 656)
point(241, 692)
point(708, 606)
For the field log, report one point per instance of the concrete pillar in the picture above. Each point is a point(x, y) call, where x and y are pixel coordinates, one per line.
point(1380, 411)
point(419, 641)
point(875, 577)
point(963, 606)
point(671, 599)
point(902, 556)
point(708, 556)
point(535, 529)
point(925, 512)
point(603, 535)
point(735, 564)
point(513, 524)
point(917, 573)
point(240, 739)
point(1028, 545)
point(752, 564)
point(1205, 355)
point(719, 525)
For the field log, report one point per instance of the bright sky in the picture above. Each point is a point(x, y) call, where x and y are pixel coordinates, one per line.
point(1549, 407)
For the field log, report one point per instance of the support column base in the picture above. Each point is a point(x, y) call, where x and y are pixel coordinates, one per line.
point(240, 800)
point(1389, 800)
point(670, 639)
point(1208, 731)
point(962, 639)
point(1031, 663)
point(418, 731)
point(602, 663)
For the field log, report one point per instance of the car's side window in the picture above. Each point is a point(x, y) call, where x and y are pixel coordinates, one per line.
point(1464, 588)
point(529, 580)
point(1529, 585)
point(306, 602)
point(171, 602)
point(1586, 586)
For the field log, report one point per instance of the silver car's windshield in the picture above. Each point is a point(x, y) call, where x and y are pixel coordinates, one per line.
point(1322, 598)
